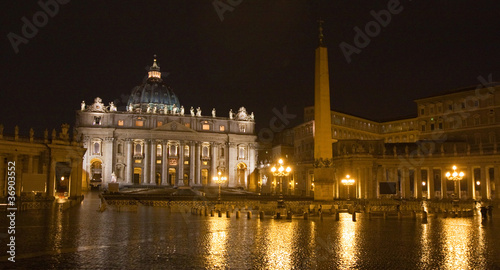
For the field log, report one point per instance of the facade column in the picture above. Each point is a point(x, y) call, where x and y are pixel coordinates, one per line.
point(152, 175)
point(146, 166)
point(19, 172)
point(192, 167)
point(232, 161)
point(129, 172)
point(213, 157)
point(252, 179)
point(108, 154)
point(431, 192)
point(198, 163)
point(164, 163)
point(180, 182)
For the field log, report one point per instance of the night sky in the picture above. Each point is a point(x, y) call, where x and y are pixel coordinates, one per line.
point(260, 55)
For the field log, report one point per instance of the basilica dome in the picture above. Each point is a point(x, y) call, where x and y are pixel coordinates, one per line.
point(153, 95)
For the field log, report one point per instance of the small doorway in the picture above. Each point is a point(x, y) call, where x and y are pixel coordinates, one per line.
point(171, 176)
point(241, 170)
point(204, 177)
point(137, 176)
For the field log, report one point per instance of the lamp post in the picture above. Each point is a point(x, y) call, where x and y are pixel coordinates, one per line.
point(347, 181)
point(455, 177)
point(219, 179)
point(280, 170)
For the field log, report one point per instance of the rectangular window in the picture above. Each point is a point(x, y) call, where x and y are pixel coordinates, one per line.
point(432, 126)
point(205, 163)
point(423, 127)
point(206, 127)
point(440, 125)
point(422, 111)
point(159, 123)
point(138, 160)
point(97, 120)
point(222, 128)
point(158, 161)
point(188, 125)
point(243, 128)
point(139, 123)
point(120, 123)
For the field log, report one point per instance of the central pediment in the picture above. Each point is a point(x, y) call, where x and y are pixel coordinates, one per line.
point(174, 126)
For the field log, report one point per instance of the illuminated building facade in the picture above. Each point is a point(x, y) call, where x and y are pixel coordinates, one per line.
point(156, 141)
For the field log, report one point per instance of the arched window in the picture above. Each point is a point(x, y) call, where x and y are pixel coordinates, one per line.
point(97, 148)
point(138, 149)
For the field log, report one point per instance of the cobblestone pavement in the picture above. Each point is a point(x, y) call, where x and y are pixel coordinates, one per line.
point(154, 238)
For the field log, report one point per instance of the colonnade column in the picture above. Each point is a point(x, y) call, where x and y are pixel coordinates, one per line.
point(417, 183)
point(30, 164)
point(129, 173)
point(164, 163)
point(406, 182)
point(431, 193)
point(471, 185)
point(252, 179)
point(485, 183)
point(146, 166)
point(444, 186)
point(3, 176)
point(73, 180)
point(496, 179)
point(180, 182)
point(192, 149)
point(213, 157)
point(52, 177)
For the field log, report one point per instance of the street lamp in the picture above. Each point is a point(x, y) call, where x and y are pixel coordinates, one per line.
point(455, 177)
point(219, 179)
point(281, 171)
point(348, 181)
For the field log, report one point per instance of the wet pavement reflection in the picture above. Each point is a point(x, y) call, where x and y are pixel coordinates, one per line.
point(155, 238)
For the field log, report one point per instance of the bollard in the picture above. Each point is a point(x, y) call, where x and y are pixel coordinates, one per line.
point(220, 213)
point(414, 215)
point(424, 217)
point(278, 215)
point(306, 215)
point(249, 215)
point(484, 213)
point(206, 212)
point(353, 215)
point(337, 216)
point(261, 214)
point(211, 213)
point(201, 211)
point(399, 215)
point(289, 215)
point(238, 214)
point(228, 214)
point(445, 214)
point(321, 216)
point(490, 211)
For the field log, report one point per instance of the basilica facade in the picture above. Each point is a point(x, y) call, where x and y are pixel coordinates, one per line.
point(158, 141)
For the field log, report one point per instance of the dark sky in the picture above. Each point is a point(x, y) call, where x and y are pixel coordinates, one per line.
point(261, 55)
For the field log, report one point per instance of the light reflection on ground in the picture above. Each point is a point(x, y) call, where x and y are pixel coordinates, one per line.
point(155, 238)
